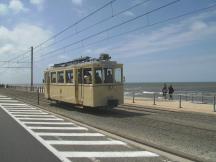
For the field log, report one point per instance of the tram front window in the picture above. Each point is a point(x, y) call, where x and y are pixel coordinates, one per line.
point(69, 76)
point(98, 76)
point(53, 77)
point(87, 76)
point(118, 75)
point(60, 76)
point(108, 76)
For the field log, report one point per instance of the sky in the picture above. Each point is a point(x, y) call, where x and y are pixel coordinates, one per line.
point(152, 38)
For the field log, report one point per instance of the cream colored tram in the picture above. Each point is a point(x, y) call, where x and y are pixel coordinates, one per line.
point(85, 81)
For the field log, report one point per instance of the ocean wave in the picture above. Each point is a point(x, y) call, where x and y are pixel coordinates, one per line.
point(149, 92)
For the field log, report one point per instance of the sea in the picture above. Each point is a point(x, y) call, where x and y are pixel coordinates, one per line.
point(207, 89)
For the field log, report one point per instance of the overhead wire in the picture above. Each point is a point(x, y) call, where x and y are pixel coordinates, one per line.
point(93, 25)
point(110, 28)
point(76, 23)
point(148, 25)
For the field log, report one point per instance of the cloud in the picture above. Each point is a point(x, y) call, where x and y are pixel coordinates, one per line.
point(17, 40)
point(172, 36)
point(77, 2)
point(15, 6)
point(129, 14)
point(38, 3)
point(3, 9)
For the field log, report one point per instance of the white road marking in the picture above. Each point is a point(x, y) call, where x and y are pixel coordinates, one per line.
point(25, 110)
point(50, 123)
point(71, 134)
point(20, 108)
point(40, 139)
point(113, 142)
point(59, 128)
point(64, 155)
point(35, 113)
point(30, 115)
point(57, 119)
point(12, 104)
point(113, 154)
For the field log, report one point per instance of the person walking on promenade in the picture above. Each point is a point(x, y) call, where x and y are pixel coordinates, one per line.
point(164, 90)
point(171, 91)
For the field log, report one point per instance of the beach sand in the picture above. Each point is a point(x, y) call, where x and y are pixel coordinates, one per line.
point(172, 105)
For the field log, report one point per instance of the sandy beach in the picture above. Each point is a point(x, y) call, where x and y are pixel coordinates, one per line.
point(171, 105)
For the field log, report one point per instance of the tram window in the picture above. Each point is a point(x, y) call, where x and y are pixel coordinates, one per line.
point(69, 76)
point(118, 75)
point(79, 76)
point(108, 76)
point(87, 76)
point(98, 76)
point(60, 76)
point(53, 77)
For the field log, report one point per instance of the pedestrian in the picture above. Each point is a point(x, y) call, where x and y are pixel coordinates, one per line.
point(164, 90)
point(171, 91)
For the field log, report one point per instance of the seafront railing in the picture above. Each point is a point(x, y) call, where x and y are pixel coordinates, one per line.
point(175, 100)
point(157, 99)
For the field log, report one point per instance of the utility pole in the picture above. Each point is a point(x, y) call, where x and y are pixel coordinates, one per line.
point(31, 68)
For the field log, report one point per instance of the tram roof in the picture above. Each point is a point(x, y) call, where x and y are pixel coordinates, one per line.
point(84, 62)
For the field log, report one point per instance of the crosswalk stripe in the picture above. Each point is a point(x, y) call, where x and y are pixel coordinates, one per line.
point(70, 134)
point(30, 115)
point(49, 123)
point(35, 113)
point(108, 154)
point(113, 142)
point(24, 110)
point(59, 128)
point(12, 104)
point(25, 115)
point(41, 119)
point(11, 109)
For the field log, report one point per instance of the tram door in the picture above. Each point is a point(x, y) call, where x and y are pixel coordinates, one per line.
point(47, 83)
point(79, 86)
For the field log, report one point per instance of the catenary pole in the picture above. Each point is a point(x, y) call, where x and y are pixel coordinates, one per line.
point(31, 68)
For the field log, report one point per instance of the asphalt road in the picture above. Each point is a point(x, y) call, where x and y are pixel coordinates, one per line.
point(17, 145)
point(188, 134)
point(31, 134)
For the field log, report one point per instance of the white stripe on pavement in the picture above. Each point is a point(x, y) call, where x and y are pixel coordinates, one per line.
point(49, 123)
point(12, 104)
point(30, 115)
point(70, 134)
point(57, 119)
point(25, 110)
point(113, 154)
point(35, 113)
point(113, 142)
point(59, 128)
point(11, 109)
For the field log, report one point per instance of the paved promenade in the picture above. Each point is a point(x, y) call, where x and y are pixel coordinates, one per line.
point(173, 105)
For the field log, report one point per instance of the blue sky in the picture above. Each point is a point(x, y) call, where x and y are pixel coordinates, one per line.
point(181, 50)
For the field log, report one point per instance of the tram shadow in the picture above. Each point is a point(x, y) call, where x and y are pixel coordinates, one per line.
point(102, 112)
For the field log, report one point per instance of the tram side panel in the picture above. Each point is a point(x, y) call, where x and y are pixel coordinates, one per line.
point(108, 95)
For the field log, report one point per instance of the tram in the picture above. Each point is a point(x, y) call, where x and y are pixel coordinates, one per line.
point(86, 81)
